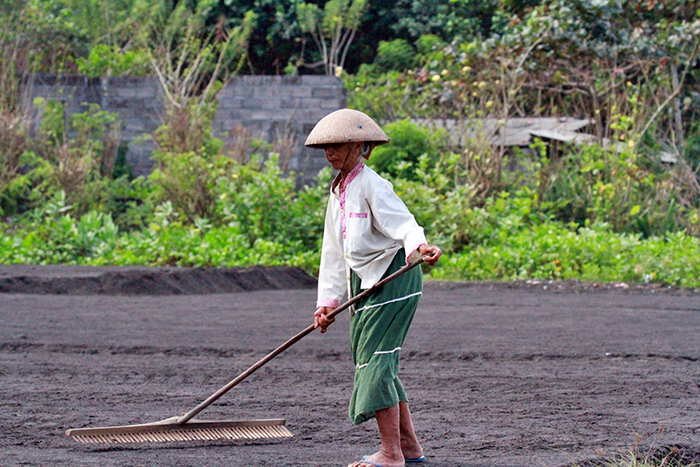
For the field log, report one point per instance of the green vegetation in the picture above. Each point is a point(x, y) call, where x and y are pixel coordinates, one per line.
point(258, 217)
point(608, 209)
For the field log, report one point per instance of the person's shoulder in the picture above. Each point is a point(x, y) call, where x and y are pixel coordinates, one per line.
point(370, 176)
point(374, 183)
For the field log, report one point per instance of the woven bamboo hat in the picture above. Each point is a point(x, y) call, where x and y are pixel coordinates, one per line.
point(346, 126)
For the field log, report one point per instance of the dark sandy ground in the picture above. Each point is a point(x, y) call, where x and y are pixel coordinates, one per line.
point(536, 374)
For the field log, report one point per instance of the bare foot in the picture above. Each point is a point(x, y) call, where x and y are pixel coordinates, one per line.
point(381, 459)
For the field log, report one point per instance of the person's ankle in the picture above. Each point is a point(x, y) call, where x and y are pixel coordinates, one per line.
point(411, 451)
point(392, 454)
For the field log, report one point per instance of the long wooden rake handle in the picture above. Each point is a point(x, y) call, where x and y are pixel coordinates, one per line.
point(211, 399)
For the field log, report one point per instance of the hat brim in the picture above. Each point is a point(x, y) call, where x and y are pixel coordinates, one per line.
point(346, 126)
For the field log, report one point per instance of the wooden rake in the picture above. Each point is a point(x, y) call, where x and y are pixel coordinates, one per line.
point(183, 428)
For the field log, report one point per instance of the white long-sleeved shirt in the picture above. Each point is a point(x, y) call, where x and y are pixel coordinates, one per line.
point(366, 225)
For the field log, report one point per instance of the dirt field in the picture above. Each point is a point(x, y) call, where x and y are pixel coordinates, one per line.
point(499, 374)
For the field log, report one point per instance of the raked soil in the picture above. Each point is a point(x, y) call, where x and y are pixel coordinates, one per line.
point(534, 374)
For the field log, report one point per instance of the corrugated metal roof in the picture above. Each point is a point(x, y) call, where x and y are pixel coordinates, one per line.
point(668, 157)
point(520, 132)
point(564, 136)
point(510, 132)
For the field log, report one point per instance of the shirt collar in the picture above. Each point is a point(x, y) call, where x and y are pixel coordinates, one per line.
point(351, 176)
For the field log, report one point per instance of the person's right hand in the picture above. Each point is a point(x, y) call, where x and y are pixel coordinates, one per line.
point(321, 318)
point(431, 253)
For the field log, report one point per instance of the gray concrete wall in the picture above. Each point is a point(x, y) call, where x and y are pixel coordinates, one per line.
point(280, 110)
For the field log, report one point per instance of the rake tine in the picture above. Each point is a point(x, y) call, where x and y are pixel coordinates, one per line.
point(170, 431)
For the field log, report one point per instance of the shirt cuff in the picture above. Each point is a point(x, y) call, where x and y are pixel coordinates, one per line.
point(411, 249)
point(327, 302)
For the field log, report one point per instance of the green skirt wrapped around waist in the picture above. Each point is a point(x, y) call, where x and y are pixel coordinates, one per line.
point(377, 331)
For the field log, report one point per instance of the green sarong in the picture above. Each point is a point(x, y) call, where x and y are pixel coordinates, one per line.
point(377, 331)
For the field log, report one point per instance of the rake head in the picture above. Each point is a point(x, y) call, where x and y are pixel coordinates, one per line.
point(168, 431)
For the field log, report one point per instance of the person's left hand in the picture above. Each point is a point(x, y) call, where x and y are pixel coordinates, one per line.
point(430, 253)
point(321, 318)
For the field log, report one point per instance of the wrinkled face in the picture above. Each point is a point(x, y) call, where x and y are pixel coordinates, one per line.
point(341, 155)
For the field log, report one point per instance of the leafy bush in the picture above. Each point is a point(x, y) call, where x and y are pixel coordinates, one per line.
point(261, 218)
point(427, 43)
point(14, 141)
point(409, 141)
point(187, 181)
point(394, 55)
point(263, 203)
point(53, 236)
point(554, 251)
point(104, 60)
point(692, 146)
point(630, 191)
point(77, 157)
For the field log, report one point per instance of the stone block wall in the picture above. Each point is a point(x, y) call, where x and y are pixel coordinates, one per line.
point(137, 101)
point(280, 110)
point(139, 104)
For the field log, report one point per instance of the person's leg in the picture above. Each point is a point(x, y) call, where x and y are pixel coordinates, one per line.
point(410, 447)
point(390, 454)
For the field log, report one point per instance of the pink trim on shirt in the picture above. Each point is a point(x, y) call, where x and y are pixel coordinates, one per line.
point(351, 176)
point(327, 302)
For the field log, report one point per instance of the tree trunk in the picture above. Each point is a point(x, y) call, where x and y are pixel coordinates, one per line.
point(677, 116)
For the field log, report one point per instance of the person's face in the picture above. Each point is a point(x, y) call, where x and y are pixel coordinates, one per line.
point(339, 155)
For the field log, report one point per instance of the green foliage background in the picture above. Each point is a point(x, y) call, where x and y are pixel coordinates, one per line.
point(608, 210)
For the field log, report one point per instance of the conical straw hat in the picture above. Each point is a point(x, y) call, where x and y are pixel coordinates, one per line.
point(346, 126)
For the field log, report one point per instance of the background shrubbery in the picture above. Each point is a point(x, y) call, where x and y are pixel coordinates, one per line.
point(606, 210)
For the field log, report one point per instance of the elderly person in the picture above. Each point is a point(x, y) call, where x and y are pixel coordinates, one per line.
point(369, 234)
